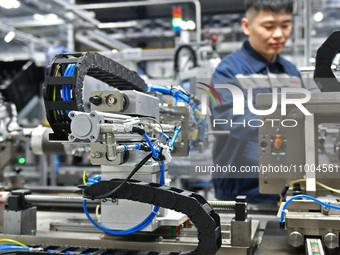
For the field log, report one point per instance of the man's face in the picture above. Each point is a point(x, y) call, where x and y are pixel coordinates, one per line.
point(268, 32)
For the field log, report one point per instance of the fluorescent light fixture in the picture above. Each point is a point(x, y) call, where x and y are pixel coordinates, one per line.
point(191, 25)
point(38, 17)
point(9, 4)
point(117, 24)
point(52, 16)
point(9, 37)
point(318, 16)
point(184, 25)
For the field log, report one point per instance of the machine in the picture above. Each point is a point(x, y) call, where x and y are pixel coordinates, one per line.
point(299, 158)
point(132, 136)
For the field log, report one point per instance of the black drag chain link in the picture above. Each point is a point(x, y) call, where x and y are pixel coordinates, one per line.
point(92, 64)
point(206, 220)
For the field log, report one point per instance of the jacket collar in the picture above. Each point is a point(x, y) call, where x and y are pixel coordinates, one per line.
point(256, 61)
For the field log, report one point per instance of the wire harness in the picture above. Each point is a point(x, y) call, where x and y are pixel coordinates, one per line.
point(193, 205)
point(63, 86)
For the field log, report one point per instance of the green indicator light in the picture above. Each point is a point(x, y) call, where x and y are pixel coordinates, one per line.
point(21, 160)
point(176, 22)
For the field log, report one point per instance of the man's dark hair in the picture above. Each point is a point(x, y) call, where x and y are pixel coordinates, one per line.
point(276, 6)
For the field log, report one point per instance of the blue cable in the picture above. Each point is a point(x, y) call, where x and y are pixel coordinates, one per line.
point(308, 197)
point(185, 98)
point(176, 94)
point(154, 151)
point(166, 137)
point(56, 164)
point(66, 89)
point(134, 229)
point(93, 180)
point(13, 247)
point(177, 130)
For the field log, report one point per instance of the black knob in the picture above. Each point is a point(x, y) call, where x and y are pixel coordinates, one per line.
point(96, 100)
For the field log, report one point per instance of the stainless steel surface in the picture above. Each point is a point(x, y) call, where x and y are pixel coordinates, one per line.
point(325, 109)
point(111, 145)
point(222, 205)
point(20, 222)
point(331, 240)
point(58, 199)
point(85, 126)
point(295, 239)
point(179, 117)
point(241, 233)
point(142, 104)
point(124, 211)
point(112, 101)
point(307, 30)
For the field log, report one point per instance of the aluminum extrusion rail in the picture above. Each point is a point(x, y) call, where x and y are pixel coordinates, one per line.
point(206, 220)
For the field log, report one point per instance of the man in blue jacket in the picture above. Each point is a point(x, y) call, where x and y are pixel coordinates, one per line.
point(257, 65)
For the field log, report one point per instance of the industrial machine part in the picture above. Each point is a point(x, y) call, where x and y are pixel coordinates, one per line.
point(323, 74)
point(188, 201)
point(92, 64)
point(125, 131)
point(19, 216)
point(297, 155)
point(304, 155)
point(193, 205)
point(241, 224)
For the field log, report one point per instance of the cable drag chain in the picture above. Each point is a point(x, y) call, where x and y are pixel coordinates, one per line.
point(206, 220)
point(92, 64)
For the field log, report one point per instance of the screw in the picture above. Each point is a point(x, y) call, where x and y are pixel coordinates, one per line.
point(112, 100)
point(95, 154)
point(71, 137)
point(92, 137)
point(71, 114)
point(92, 115)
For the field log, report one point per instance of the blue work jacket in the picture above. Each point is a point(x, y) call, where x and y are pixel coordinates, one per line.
point(244, 68)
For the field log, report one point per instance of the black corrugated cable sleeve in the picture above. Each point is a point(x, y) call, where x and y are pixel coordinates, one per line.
point(138, 130)
point(284, 191)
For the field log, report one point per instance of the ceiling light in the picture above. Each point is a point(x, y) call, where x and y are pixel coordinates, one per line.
point(114, 51)
point(38, 17)
point(117, 24)
point(52, 16)
point(9, 4)
point(191, 24)
point(184, 25)
point(9, 37)
point(318, 16)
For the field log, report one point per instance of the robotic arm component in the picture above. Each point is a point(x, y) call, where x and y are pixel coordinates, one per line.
point(63, 88)
point(323, 74)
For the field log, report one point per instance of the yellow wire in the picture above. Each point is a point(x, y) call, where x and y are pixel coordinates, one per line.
point(327, 187)
point(295, 181)
point(318, 183)
point(97, 211)
point(84, 178)
point(13, 241)
point(54, 95)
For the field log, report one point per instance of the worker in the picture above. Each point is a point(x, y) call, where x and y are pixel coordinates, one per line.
point(257, 65)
